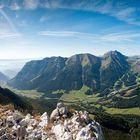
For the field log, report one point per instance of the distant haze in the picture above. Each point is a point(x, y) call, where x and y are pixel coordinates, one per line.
point(10, 67)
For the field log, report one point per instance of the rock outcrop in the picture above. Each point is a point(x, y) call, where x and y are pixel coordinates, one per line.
point(59, 126)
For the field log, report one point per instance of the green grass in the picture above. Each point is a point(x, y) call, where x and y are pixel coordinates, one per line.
point(79, 95)
point(134, 111)
point(28, 93)
point(58, 91)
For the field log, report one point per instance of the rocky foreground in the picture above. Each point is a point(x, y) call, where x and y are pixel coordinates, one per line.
point(61, 125)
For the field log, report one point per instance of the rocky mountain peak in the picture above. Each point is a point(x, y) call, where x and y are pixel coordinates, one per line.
point(83, 59)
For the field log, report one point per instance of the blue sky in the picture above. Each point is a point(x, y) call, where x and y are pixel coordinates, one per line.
point(43, 28)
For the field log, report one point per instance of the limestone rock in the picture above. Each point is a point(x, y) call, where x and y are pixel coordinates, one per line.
point(77, 127)
point(44, 120)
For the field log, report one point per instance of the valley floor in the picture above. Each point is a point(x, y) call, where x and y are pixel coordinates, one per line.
point(79, 100)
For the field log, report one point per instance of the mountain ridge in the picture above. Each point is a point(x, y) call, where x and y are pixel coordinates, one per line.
point(55, 73)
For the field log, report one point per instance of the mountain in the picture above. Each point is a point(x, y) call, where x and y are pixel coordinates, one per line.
point(3, 78)
point(101, 74)
point(10, 67)
point(11, 73)
point(36, 73)
point(48, 74)
point(78, 70)
point(8, 97)
point(114, 65)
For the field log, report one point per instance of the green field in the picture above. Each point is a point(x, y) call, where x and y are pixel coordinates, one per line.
point(92, 103)
point(29, 93)
point(79, 95)
point(77, 98)
point(134, 111)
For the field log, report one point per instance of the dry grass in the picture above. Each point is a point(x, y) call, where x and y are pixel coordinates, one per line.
point(4, 109)
point(37, 117)
point(72, 110)
point(7, 107)
point(48, 127)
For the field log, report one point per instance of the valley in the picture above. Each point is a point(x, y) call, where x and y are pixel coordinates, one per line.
point(83, 82)
point(69, 70)
point(79, 100)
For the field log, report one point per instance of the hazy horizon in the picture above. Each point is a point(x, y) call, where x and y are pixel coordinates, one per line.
point(40, 58)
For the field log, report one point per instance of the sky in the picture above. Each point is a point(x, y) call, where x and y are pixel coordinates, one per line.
point(44, 28)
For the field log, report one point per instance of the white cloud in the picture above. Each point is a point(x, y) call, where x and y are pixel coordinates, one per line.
point(125, 13)
point(133, 21)
point(67, 34)
point(118, 9)
point(31, 4)
point(121, 12)
point(117, 37)
point(4, 35)
point(59, 33)
point(114, 37)
point(15, 6)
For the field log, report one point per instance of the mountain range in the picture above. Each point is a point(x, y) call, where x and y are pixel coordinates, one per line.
point(112, 71)
point(107, 86)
